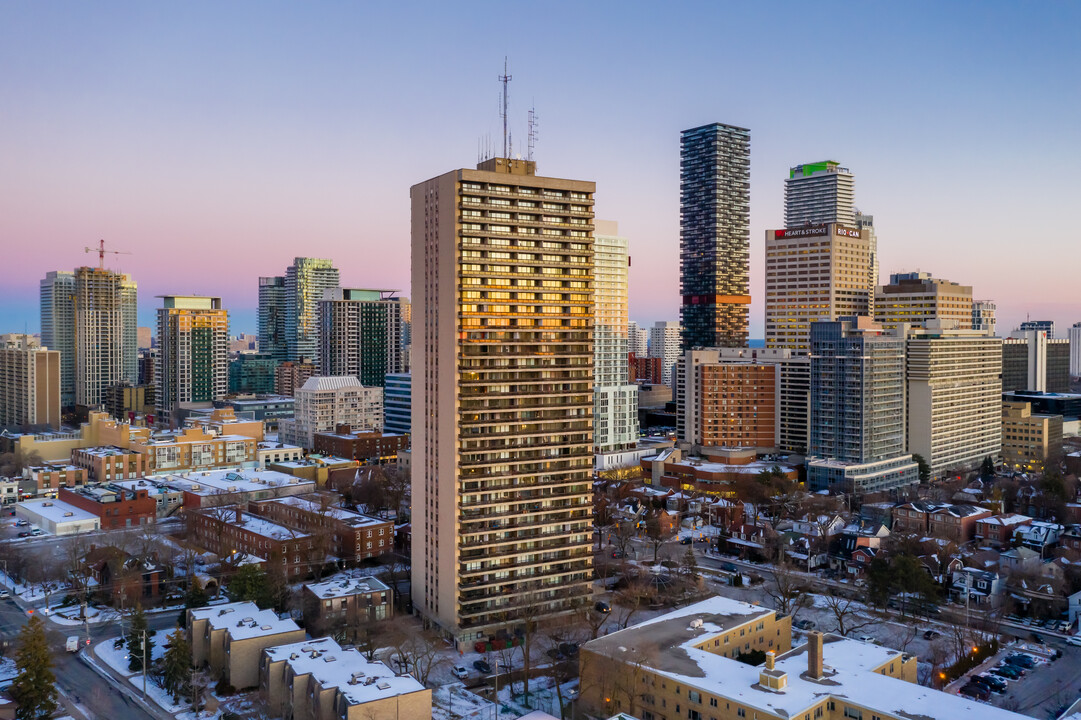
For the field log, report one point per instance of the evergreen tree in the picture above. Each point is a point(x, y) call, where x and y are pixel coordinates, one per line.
point(924, 470)
point(250, 583)
point(987, 469)
point(690, 564)
point(176, 665)
point(137, 646)
point(194, 598)
point(34, 688)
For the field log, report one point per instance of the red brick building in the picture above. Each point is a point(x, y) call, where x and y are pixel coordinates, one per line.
point(114, 505)
point(737, 405)
point(997, 530)
point(646, 369)
point(105, 464)
point(956, 522)
point(51, 476)
point(367, 448)
point(355, 536)
point(228, 530)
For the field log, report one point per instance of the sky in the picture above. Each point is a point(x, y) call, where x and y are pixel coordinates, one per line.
point(216, 141)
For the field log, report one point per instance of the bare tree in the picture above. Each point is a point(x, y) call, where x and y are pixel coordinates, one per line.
point(846, 613)
point(656, 533)
point(786, 590)
point(417, 650)
point(631, 598)
point(621, 534)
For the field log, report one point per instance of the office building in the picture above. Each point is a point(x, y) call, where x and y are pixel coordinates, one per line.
point(664, 343)
point(271, 320)
point(637, 339)
point(1046, 326)
point(615, 396)
point(323, 403)
point(360, 334)
point(1033, 361)
point(1075, 350)
point(690, 659)
point(57, 297)
point(29, 385)
point(502, 413)
point(815, 273)
point(714, 259)
point(1029, 439)
point(306, 281)
point(125, 401)
point(954, 396)
point(397, 403)
point(983, 316)
point(819, 193)
point(253, 373)
point(105, 333)
point(916, 298)
point(193, 351)
point(857, 408)
point(743, 397)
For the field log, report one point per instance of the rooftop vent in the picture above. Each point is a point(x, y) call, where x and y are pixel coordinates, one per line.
point(383, 686)
point(265, 627)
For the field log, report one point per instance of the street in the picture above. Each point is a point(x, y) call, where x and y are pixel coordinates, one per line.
point(79, 683)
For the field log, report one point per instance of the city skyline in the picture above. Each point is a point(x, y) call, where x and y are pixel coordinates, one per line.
point(204, 134)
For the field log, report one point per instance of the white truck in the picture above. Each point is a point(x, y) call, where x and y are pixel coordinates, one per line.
point(73, 643)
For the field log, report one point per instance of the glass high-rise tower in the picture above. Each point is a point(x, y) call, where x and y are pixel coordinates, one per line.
point(715, 198)
point(305, 281)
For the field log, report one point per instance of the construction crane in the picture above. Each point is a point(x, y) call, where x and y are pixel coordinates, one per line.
point(100, 250)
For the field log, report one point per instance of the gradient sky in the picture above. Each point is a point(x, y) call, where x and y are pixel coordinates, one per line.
point(215, 141)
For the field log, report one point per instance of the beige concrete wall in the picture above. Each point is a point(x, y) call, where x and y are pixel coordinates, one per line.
point(242, 656)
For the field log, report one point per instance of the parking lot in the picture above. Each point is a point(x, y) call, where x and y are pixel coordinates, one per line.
point(1044, 689)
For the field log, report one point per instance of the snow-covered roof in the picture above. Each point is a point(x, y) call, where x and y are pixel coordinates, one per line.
point(338, 382)
point(345, 584)
point(216, 482)
point(57, 511)
point(349, 517)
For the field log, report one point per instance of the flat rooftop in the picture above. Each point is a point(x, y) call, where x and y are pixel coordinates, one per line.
point(216, 482)
point(56, 511)
point(346, 584)
point(349, 517)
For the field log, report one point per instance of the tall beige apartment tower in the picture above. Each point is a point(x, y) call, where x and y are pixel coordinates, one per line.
point(106, 333)
point(29, 384)
point(815, 273)
point(502, 397)
point(193, 351)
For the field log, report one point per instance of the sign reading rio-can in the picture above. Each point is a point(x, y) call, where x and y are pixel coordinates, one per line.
point(847, 232)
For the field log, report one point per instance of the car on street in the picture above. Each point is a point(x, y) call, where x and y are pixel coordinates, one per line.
point(4, 594)
point(602, 607)
point(24, 533)
point(460, 672)
point(482, 667)
point(931, 634)
point(1037, 637)
point(805, 624)
point(728, 567)
point(686, 540)
point(1074, 640)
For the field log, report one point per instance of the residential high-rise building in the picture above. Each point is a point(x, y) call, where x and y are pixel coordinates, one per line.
point(916, 298)
point(664, 343)
point(857, 408)
point(714, 260)
point(866, 225)
point(106, 336)
point(58, 327)
point(289, 376)
point(407, 335)
point(814, 273)
point(29, 385)
point(954, 396)
point(305, 282)
point(1075, 350)
point(819, 193)
point(253, 373)
point(1029, 439)
point(1033, 361)
point(1047, 326)
point(272, 311)
point(397, 403)
point(193, 352)
point(637, 339)
point(615, 397)
point(360, 334)
point(503, 397)
point(326, 402)
point(749, 397)
point(983, 316)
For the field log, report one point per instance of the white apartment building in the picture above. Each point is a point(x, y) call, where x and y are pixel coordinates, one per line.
point(502, 400)
point(954, 404)
point(983, 316)
point(326, 402)
point(615, 397)
point(815, 273)
point(106, 333)
point(665, 342)
point(637, 339)
point(57, 290)
point(1075, 350)
point(818, 193)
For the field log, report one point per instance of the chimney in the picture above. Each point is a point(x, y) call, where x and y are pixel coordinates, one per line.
point(814, 655)
point(239, 516)
point(770, 656)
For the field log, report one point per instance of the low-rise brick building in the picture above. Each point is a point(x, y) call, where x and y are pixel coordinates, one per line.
point(50, 477)
point(998, 530)
point(365, 446)
point(116, 506)
point(956, 522)
point(345, 601)
point(355, 536)
point(228, 529)
point(108, 463)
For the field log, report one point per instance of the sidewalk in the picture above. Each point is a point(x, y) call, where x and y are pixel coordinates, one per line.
point(120, 682)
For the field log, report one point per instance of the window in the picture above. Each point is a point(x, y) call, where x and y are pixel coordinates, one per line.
point(854, 713)
point(740, 712)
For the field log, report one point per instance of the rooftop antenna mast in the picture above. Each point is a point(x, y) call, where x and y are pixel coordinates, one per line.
point(100, 250)
point(505, 78)
point(532, 133)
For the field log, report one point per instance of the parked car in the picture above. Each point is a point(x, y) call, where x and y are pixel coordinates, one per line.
point(602, 607)
point(867, 639)
point(686, 540)
point(728, 567)
point(617, 554)
point(4, 594)
point(994, 684)
point(1074, 640)
point(977, 691)
point(931, 634)
point(569, 649)
point(805, 624)
point(482, 667)
point(37, 531)
point(1007, 671)
point(1037, 637)
point(1020, 660)
point(21, 523)
point(460, 672)
point(24, 533)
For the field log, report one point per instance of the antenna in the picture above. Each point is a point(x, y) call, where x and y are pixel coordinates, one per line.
point(100, 250)
point(505, 78)
point(532, 142)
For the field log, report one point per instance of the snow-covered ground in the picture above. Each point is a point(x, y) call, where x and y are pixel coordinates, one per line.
point(117, 658)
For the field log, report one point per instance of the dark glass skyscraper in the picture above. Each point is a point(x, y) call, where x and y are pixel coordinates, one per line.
point(715, 195)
